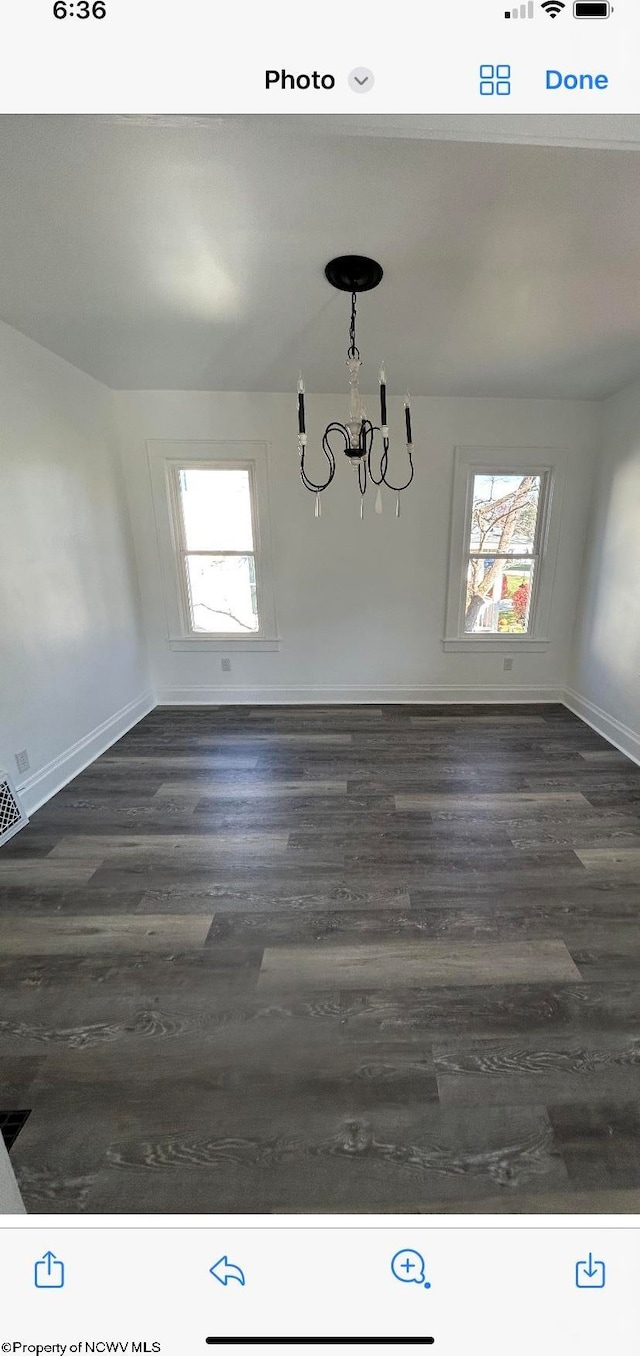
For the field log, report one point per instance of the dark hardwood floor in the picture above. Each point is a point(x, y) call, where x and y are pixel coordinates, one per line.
point(329, 959)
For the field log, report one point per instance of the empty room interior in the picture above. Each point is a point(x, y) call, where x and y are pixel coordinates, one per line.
point(320, 665)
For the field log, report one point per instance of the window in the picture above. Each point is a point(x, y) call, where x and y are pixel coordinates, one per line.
point(211, 508)
point(502, 552)
point(216, 537)
point(504, 541)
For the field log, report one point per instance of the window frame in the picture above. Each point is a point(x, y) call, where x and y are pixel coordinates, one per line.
point(550, 465)
point(182, 551)
point(166, 460)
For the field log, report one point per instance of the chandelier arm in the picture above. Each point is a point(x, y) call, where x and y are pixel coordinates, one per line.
point(384, 460)
point(362, 476)
point(317, 488)
point(374, 428)
point(335, 427)
point(365, 439)
point(397, 489)
point(311, 485)
point(384, 464)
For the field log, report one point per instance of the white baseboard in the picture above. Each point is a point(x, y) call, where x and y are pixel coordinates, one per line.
point(42, 785)
point(622, 736)
point(327, 696)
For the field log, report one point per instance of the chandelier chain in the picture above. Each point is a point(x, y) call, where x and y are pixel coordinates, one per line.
point(353, 350)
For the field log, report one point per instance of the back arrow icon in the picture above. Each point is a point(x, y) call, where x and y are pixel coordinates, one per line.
point(225, 1271)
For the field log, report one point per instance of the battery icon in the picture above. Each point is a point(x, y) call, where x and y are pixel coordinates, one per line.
point(592, 9)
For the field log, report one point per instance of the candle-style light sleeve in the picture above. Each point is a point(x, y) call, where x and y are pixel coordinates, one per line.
point(383, 397)
point(407, 419)
point(301, 414)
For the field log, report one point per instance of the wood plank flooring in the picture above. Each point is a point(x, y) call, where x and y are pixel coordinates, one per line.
point(329, 960)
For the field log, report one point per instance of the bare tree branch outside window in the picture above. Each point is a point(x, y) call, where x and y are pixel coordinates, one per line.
point(494, 524)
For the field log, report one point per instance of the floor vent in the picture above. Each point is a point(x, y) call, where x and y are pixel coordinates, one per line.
point(11, 1123)
point(12, 815)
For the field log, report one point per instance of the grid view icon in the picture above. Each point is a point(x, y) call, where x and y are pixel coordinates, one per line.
point(495, 80)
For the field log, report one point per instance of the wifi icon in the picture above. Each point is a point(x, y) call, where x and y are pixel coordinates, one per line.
point(553, 7)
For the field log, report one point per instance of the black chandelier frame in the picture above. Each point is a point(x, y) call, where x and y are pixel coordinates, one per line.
point(354, 274)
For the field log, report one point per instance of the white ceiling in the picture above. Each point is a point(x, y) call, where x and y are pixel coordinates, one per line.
point(189, 253)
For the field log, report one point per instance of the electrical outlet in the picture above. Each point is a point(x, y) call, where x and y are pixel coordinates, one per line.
point(507, 665)
point(226, 666)
point(22, 761)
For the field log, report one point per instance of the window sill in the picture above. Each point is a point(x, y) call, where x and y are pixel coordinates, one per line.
point(501, 644)
point(225, 644)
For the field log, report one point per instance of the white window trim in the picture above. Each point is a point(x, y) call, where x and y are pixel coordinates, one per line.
point(165, 460)
point(550, 464)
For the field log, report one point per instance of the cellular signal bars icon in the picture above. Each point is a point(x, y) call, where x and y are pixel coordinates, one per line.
point(520, 11)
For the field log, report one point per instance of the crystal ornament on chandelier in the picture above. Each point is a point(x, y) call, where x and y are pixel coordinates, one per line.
point(367, 452)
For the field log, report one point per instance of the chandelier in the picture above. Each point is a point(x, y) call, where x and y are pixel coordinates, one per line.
point(367, 452)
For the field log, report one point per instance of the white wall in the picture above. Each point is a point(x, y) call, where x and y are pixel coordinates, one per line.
point(72, 663)
point(360, 605)
point(10, 1198)
point(605, 670)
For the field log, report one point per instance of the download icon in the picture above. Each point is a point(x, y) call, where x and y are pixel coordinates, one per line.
point(590, 1275)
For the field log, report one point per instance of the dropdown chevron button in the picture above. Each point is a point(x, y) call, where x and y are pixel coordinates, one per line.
point(361, 80)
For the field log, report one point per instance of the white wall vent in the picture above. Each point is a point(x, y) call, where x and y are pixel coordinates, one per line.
point(12, 815)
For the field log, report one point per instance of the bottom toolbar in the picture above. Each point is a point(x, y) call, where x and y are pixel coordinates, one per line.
point(176, 1291)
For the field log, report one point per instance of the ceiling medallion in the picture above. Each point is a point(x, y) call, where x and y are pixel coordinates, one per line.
point(354, 273)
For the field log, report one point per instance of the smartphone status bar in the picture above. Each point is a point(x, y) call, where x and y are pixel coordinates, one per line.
point(152, 56)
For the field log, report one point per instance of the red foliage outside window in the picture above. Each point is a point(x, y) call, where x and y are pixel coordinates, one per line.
point(520, 601)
